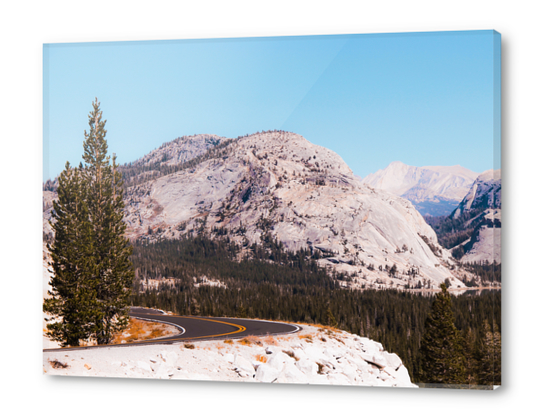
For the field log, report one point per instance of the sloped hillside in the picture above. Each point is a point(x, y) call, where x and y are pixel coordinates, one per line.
point(278, 185)
point(485, 193)
point(473, 230)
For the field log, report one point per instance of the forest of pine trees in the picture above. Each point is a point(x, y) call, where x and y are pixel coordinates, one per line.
point(278, 285)
point(453, 231)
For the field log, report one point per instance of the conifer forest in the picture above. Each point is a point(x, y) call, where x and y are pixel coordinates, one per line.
point(270, 283)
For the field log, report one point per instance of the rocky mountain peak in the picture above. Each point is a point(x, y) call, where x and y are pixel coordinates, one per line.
point(485, 193)
point(277, 186)
point(180, 150)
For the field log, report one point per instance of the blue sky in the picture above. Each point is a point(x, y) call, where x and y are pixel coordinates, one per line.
point(421, 98)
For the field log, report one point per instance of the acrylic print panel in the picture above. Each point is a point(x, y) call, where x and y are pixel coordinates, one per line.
point(308, 210)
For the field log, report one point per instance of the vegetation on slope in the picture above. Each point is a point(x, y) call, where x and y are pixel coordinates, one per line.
point(278, 285)
point(459, 235)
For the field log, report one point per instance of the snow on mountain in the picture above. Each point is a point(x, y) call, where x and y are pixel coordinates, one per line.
point(432, 189)
point(278, 185)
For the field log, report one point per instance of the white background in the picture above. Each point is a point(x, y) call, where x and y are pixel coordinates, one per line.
point(25, 26)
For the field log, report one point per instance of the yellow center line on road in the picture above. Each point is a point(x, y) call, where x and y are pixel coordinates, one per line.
point(240, 329)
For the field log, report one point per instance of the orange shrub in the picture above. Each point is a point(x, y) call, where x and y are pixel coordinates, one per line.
point(261, 358)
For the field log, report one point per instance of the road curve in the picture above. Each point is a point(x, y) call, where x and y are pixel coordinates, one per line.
point(196, 328)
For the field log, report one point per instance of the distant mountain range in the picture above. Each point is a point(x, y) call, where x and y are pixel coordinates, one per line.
point(463, 207)
point(433, 190)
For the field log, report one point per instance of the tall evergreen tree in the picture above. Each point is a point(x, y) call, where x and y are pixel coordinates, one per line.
point(92, 273)
point(330, 318)
point(111, 267)
point(441, 355)
point(471, 359)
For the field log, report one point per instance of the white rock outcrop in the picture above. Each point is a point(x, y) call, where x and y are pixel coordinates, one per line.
point(484, 193)
point(180, 150)
point(485, 198)
point(318, 356)
point(485, 243)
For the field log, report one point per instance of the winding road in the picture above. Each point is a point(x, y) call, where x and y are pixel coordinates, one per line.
point(199, 328)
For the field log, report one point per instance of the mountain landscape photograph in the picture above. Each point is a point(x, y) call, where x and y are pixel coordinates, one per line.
point(305, 210)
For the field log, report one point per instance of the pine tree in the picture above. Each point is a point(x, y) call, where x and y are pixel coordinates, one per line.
point(195, 307)
point(471, 359)
point(92, 273)
point(330, 318)
point(241, 311)
point(73, 295)
point(111, 267)
point(441, 355)
point(490, 360)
